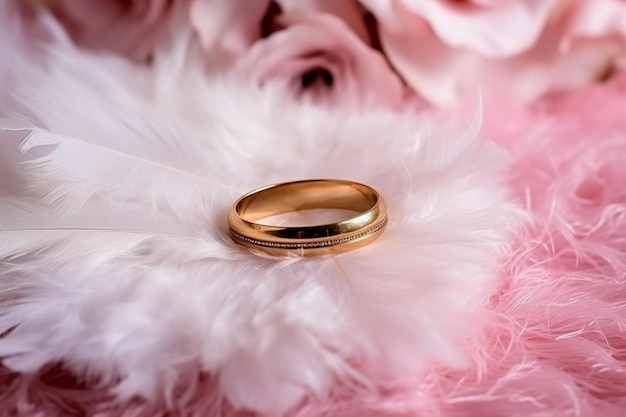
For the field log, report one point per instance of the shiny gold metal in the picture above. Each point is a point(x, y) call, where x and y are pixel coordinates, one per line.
point(324, 239)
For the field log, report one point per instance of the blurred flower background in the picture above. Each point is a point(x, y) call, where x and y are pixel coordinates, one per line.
point(436, 52)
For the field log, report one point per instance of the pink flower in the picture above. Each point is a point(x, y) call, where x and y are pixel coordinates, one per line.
point(318, 57)
point(232, 26)
point(319, 49)
point(131, 28)
point(514, 49)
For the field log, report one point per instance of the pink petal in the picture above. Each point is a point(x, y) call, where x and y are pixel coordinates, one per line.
point(445, 75)
point(495, 31)
point(234, 25)
point(113, 25)
point(231, 25)
point(350, 11)
point(94, 15)
point(599, 18)
point(490, 3)
point(362, 72)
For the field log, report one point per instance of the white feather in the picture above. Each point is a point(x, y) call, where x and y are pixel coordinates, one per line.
point(123, 268)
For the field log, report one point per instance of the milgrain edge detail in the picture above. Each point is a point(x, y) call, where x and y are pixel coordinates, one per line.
point(311, 245)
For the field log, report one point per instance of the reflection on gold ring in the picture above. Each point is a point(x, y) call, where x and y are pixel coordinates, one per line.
point(324, 239)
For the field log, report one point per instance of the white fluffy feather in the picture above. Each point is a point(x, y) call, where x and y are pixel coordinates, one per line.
point(120, 265)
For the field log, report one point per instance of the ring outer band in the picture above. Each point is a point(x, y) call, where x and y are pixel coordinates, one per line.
point(346, 235)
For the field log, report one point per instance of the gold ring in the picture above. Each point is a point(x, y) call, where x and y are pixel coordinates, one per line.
point(324, 239)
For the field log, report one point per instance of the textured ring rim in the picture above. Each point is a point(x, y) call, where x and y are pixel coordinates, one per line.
point(323, 239)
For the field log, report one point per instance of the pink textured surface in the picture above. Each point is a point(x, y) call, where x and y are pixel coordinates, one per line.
point(554, 342)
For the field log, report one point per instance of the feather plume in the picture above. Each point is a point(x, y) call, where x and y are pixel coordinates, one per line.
point(115, 261)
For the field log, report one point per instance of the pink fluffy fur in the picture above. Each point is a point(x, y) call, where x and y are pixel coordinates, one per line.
point(553, 342)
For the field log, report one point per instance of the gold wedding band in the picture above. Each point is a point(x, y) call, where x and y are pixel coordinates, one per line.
point(325, 239)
